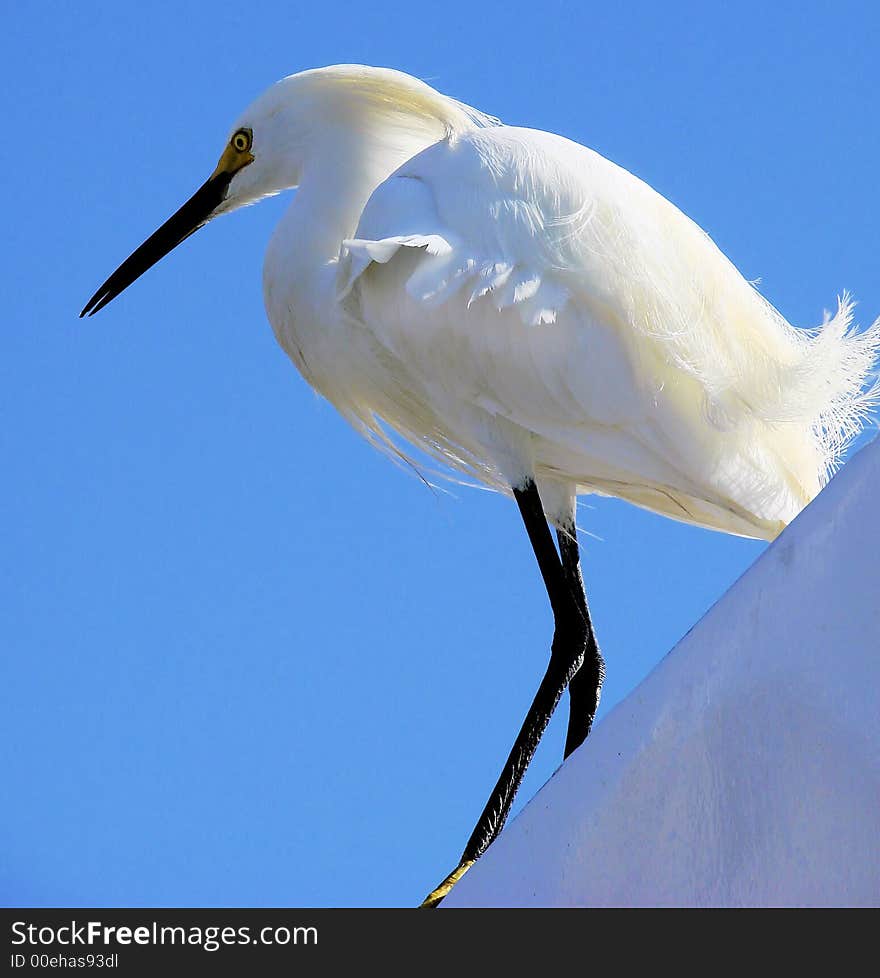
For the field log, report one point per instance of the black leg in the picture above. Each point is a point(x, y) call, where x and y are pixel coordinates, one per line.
point(566, 656)
point(586, 684)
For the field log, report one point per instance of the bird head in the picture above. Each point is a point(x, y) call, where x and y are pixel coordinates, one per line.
point(258, 160)
point(313, 120)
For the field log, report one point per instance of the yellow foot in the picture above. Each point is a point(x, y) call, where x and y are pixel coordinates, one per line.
point(435, 896)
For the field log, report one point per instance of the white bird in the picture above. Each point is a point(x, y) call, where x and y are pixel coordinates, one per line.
point(529, 313)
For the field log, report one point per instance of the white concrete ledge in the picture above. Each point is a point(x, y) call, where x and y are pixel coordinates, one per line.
point(745, 770)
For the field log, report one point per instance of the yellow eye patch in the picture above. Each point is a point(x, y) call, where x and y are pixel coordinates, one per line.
point(237, 154)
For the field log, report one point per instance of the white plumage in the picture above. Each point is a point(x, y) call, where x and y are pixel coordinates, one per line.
point(530, 314)
point(513, 304)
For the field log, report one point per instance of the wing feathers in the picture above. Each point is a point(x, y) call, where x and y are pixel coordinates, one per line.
point(447, 269)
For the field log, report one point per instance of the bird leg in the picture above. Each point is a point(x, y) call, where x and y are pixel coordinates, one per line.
point(570, 640)
point(585, 686)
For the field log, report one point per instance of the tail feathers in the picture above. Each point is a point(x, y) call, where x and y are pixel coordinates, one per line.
point(841, 370)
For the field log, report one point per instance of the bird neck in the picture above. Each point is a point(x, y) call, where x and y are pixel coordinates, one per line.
point(337, 179)
point(342, 171)
point(338, 176)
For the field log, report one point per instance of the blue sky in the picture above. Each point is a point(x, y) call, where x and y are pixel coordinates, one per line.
point(246, 661)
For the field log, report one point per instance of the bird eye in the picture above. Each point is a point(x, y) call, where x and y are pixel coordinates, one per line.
point(241, 140)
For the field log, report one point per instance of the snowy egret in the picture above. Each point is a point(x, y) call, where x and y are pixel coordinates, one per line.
point(529, 313)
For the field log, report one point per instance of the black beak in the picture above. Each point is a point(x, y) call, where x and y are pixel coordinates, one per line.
point(195, 213)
